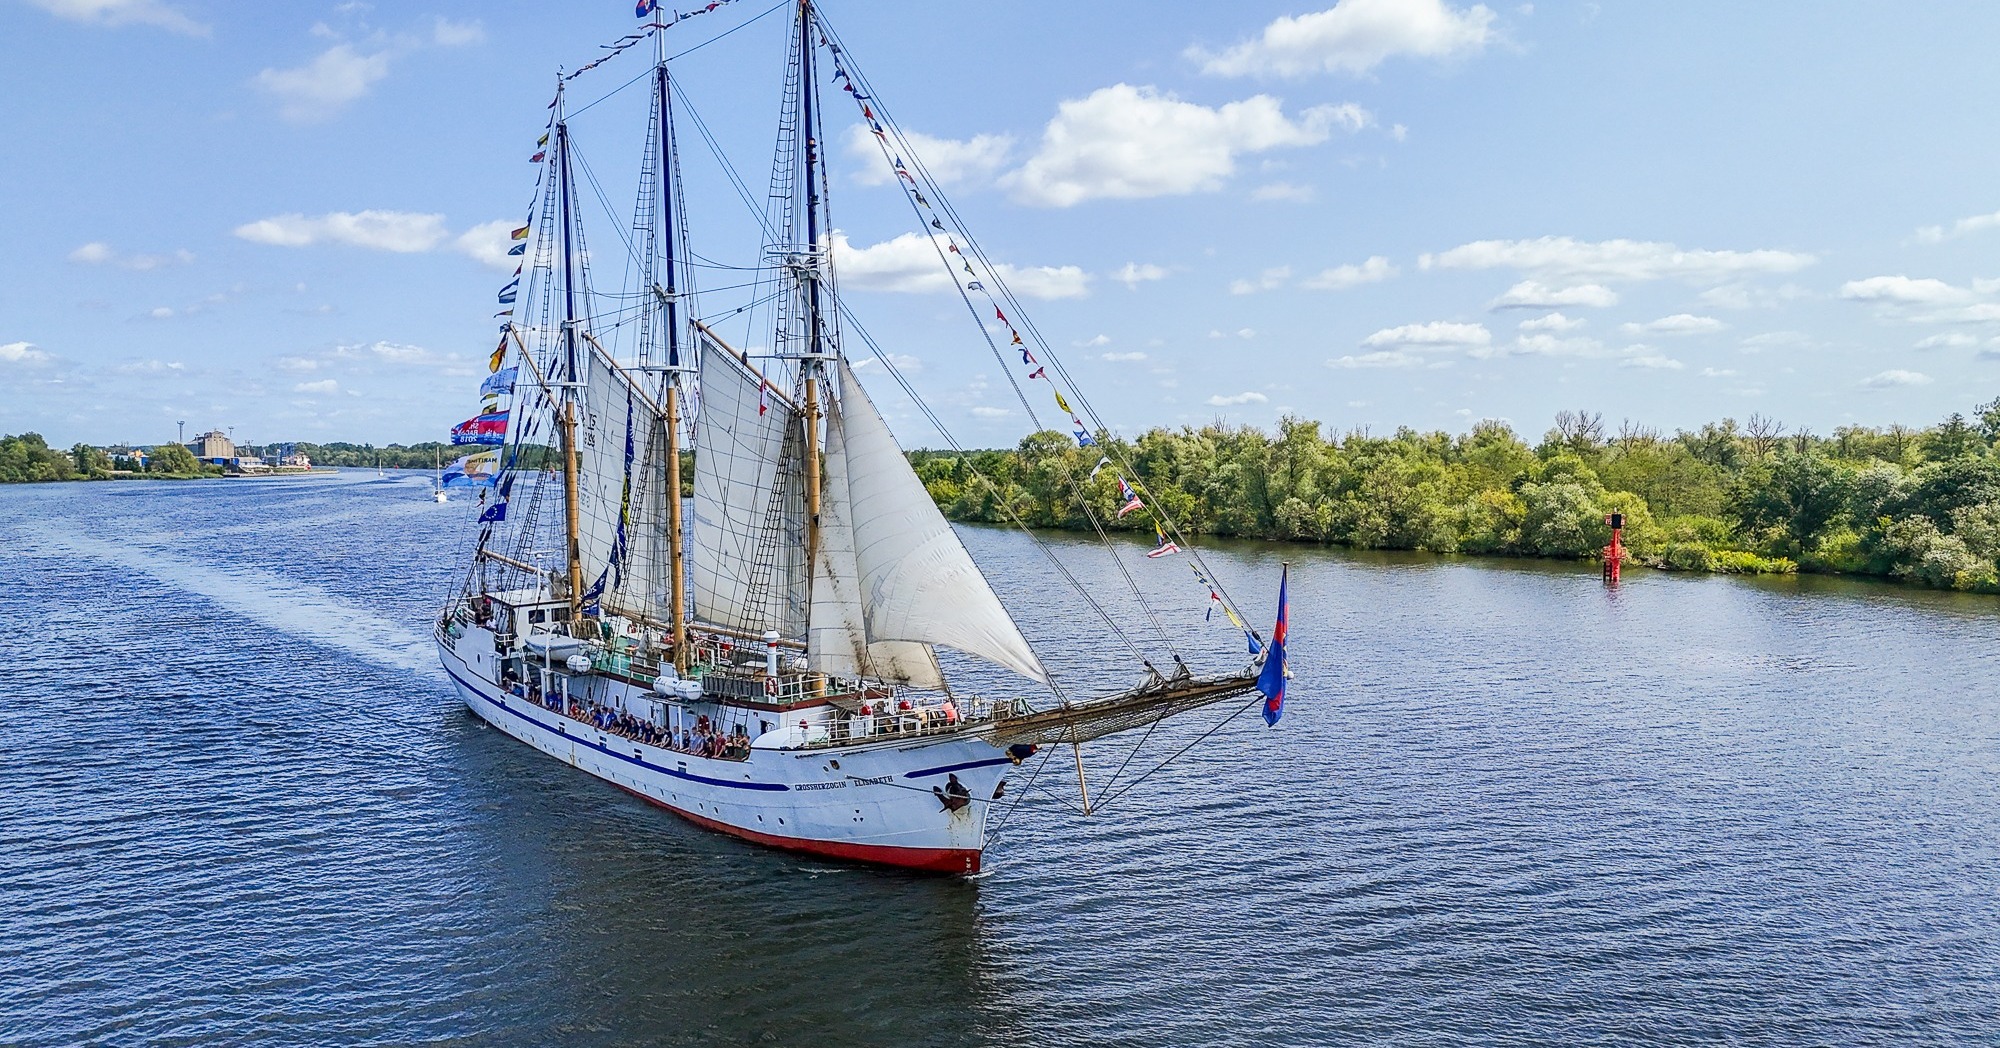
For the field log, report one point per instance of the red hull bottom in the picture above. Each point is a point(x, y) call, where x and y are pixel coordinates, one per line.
point(931, 860)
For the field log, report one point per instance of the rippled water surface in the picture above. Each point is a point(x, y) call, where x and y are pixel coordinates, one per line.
point(238, 804)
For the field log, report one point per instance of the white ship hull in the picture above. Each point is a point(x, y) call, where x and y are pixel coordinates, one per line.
point(870, 802)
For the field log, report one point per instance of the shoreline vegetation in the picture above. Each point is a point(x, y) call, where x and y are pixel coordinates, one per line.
point(1916, 505)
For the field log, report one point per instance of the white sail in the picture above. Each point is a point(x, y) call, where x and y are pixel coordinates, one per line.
point(618, 506)
point(837, 640)
point(917, 582)
point(747, 570)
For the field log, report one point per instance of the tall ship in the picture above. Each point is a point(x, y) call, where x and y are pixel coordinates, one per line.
point(798, 651)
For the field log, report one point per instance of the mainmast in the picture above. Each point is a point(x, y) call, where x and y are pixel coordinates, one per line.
point(670, 295)
point(812, 358)
point(571, 377)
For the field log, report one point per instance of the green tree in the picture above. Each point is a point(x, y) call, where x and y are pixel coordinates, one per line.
point(1798, 496)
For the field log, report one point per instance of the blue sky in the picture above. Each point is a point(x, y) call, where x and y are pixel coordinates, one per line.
point(282, 218)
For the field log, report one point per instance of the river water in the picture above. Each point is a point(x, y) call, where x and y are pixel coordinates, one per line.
point(239, 804)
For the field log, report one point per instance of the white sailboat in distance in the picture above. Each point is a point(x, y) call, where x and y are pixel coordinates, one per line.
point(772, 670)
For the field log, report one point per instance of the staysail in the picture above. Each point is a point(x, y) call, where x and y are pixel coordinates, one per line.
point(917, 582)
point(837, 642)
point(748, 571)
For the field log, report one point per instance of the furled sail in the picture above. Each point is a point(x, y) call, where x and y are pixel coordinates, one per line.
point(917, 582)
point(837, 640)
point(748, 569)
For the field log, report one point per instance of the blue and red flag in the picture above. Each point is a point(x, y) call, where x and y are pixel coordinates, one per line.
point(490, 428)
point(1272, 681)
point(644, 8)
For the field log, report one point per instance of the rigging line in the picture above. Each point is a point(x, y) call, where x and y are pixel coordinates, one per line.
point(1000, 499)
point(649, 69)
point(1140, 745)
point(1203, 737)
point(590, 178)
point(1054, 359)
point(1026, 788)
point(722, 160)
point(992, 273)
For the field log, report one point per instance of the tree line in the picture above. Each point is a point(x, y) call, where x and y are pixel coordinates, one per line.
point(27, 458)
point(1916, 504)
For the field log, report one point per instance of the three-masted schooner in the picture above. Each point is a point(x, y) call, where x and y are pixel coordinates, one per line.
point(772, 670)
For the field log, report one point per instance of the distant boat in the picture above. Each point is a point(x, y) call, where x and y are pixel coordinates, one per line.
point(778, 678)
point(437, 481)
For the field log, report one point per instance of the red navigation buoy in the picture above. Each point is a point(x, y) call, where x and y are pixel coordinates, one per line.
point(1615, 552)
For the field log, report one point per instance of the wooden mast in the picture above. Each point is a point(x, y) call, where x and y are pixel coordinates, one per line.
point(670, 294)
point(573, 378)
point(813, 334)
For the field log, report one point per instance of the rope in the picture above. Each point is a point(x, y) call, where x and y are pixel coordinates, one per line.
point(1177, 754)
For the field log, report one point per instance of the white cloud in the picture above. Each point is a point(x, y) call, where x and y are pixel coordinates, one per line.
point(1128, 142)
point(322, 87)
point(909, 264)
point(1237, 399)
point(949, 160)
point(1568, 259)
point(1775, 340)
point(1288, 192)
point(323, 387)
point(1551, 322)
point(1533, 294)
point(22, 353)
point(1974, 224)
point(1384, 358)
point(98, 253)
point(1651, 361)
point(400, 231)
point(1099, 339)
point(1540, 344)
point(990, 412)
point(1435, 333)
point(122, 13)
point(1904, 291)
point(1354, 36)
point(1268, 280)
point(1376, 268)
point(160, 313)
point(1678, 324)
point(1745, 295)
point(1718, 372)
point(1132, 274)
point(1953, 340)
point(488, 243)
point(1896, 377)
point(447, 33)
point(1132, 357)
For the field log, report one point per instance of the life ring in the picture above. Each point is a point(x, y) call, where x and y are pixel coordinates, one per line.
point(770, 685)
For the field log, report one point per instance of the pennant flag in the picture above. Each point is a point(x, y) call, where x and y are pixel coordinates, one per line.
point(644, 8)
point(937, 225)
point(953, 248)
point(1083, 438)
point(499, 354)
point(504, 313)
point(763, 397)
point(1165, 547)
point(481, 429)
point(921, 202)
point(967, 266)
point(544, 140)
point(1125, 492)
point(519, 234)
point(1101, 463)
point(867, 114)
point(508, 293)
point(1027, 357)
point(539, 157)
point(495, 513)
point(1272, 681)
point(1214, 601)
point(1017, 336)
point(480, 470)
point(975, 286)
point(1043, 373)
point(1063, 404)
point(518, 249)
point(1002, 316)
point(499, 383)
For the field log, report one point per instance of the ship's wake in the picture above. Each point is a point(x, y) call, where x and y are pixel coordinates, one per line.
point(296, 608)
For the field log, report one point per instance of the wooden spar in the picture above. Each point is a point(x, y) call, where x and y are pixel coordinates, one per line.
point(1082, 788)
point(570, 504)
point(777, 394)
point(512, 563)
point(676, 556)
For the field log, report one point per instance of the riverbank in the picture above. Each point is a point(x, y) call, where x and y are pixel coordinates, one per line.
point(1918, 506)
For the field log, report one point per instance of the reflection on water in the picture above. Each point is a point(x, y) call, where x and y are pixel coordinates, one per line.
point(1507, 806)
